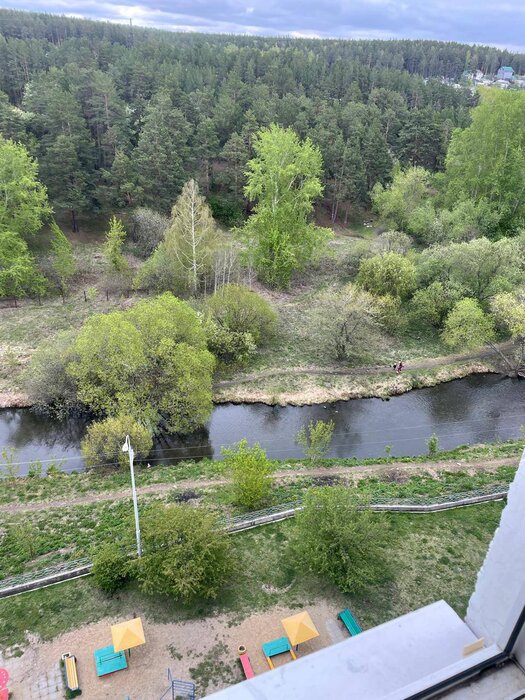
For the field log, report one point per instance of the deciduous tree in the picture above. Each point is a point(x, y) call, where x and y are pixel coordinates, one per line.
point(284, 180)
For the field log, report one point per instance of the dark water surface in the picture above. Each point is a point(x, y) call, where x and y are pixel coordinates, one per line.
point(480, 408)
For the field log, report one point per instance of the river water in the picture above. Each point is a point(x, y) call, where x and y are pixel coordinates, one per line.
point(479, 408)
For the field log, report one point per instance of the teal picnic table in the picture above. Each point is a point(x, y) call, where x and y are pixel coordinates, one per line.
point(276, 646)
point(107, 660)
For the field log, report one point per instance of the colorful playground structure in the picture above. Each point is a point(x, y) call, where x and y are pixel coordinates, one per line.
point(125, 635)
point(245, 662)
point(4, 679)
point(275, 647)
point(107, 660)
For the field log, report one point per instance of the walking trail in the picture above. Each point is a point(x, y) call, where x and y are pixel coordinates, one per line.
point(397, 471)
point(427, 363)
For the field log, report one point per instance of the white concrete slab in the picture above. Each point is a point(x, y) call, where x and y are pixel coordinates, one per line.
point(502, 683)
point(371, 665)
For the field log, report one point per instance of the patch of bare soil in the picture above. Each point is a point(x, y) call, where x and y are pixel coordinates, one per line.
point(203, 650)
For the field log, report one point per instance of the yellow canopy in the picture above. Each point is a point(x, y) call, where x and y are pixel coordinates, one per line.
point(299, 628)
point(127, 635)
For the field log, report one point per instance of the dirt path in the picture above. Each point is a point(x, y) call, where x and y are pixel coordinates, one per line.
point(398, 471)
point(428, 363)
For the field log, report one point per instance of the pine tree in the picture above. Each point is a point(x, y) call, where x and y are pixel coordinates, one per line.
point(206, 148)
point(235, 154)
point(162, 151)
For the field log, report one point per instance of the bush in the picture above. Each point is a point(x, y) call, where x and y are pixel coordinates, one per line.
point(102, 444)
point(315, 439)
point(228, 345)
point(433, 445)
point(147, 230)
point(185, 554)
point(240, 310)
point(467, 326)
point(339, 538)
point(430, 306)
point(46, 380)
point(150, 362)
point(111, 568)
point(390, 273)
point(250, 469)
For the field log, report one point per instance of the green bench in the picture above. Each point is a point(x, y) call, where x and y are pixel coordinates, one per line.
point(349, 622)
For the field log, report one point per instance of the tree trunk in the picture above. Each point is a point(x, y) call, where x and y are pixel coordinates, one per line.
point(74, 223)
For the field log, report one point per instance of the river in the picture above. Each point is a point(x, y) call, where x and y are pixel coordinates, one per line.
point(479, 408)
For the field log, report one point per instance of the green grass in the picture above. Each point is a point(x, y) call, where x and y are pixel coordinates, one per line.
point(434, 556)
point(35, 539)
point(63, 486)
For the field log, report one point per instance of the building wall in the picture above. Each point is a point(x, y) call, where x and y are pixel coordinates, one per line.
point(499, 596)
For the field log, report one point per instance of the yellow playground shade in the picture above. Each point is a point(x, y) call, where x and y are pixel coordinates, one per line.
point(127, 635)
point(299, 628)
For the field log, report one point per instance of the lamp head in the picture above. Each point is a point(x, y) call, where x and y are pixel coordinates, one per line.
point(125, 446)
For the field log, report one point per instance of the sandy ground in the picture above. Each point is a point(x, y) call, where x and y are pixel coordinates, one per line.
point(212, 642)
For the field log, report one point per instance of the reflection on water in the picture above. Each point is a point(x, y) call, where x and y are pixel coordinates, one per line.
point(481, 408)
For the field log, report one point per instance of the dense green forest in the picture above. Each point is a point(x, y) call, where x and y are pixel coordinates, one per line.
point(120, 117)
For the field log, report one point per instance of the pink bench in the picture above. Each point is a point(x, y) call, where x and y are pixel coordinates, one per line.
point(246, 663)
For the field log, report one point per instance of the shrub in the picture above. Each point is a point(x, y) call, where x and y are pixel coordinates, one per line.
point(250, 469)
point(111, 568)
point(467, 326)
point(150, 362)
point(390, 273)
point(102, 444)
point(315, 439)
point(240, 310)
point(147, 230)
point(339, 538)
point(229, 346)
point(433, 445)
point(185, 554)
point(46, 380)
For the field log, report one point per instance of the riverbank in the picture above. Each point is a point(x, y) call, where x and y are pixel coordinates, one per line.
point(304, 387)
point(308, 386)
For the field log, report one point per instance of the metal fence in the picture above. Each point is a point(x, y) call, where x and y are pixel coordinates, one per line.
point(32, 580)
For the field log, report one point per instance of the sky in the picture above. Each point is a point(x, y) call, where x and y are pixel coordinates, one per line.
point(497, 22)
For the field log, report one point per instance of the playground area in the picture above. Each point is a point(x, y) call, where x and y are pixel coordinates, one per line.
point(203, 651)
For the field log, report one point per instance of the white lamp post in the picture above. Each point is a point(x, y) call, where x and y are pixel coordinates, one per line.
point(126, 447)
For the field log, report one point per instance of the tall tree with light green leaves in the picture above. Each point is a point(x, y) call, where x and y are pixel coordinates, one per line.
point(284, 180)
point(115, 237)
point(19, 276)
point(62, 260)
point(486, 161)
point(23, 199)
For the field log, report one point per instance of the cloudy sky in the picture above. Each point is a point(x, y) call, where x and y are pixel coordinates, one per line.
point(497, 22)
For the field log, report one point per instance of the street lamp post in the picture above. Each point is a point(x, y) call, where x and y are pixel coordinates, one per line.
point(126, 447)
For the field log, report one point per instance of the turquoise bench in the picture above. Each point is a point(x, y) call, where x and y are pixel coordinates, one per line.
point(277, 646)
point(349, 622)
point(107, 660)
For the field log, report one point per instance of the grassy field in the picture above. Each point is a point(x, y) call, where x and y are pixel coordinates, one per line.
point(433, 556)
point(63, 485)
point(38, 538)
point(25, 328)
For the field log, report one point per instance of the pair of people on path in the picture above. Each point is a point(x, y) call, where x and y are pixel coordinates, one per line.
point(397, 367)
